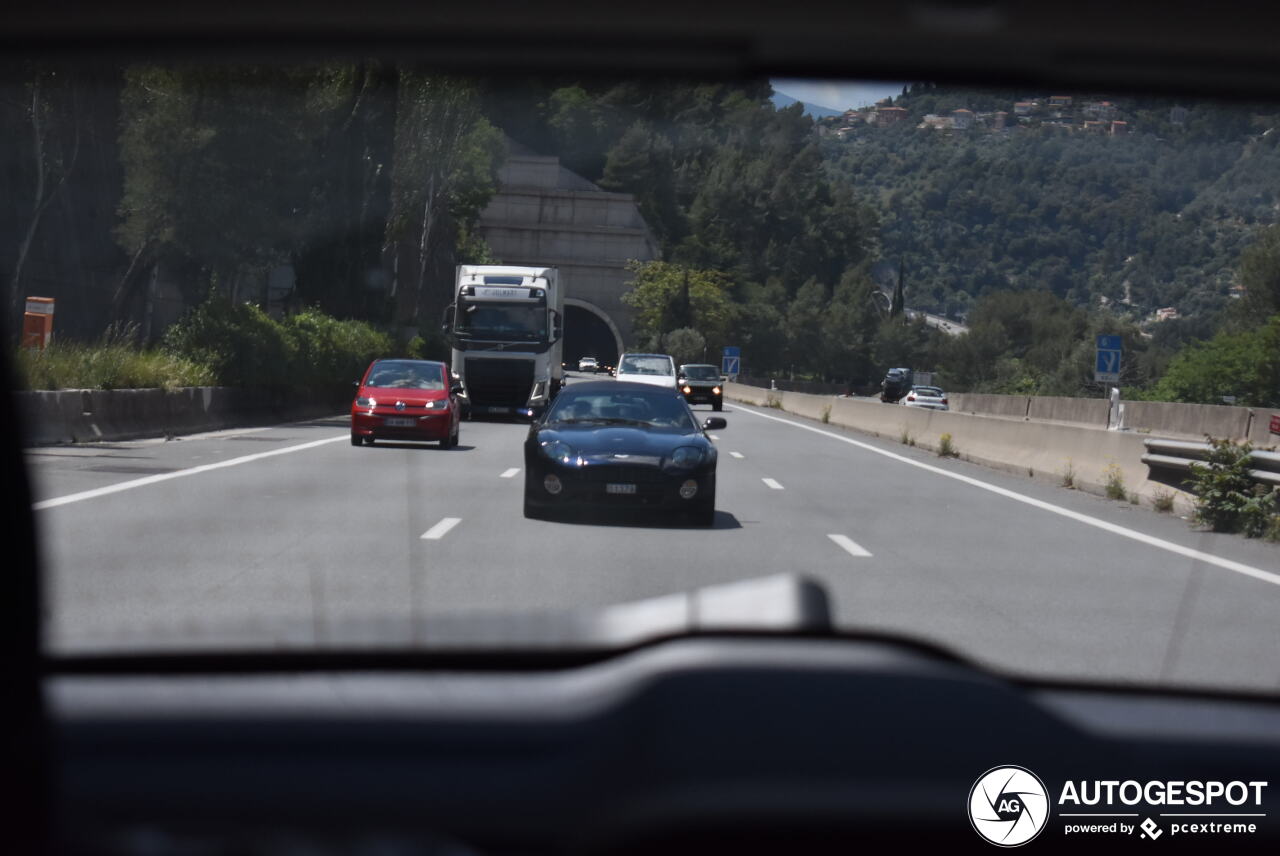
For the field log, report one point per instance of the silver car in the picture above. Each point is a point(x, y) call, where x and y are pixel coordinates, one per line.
point(925, 396)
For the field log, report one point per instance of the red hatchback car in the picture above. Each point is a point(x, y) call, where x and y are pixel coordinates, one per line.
point(405, 400)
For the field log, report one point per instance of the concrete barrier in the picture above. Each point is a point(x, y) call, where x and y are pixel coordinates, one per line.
point(1085, 411)
point(1040, 449)
point(994, 405)
point(1260, 430)
point(86, 415)
point(1188, 420)
point(750, 394)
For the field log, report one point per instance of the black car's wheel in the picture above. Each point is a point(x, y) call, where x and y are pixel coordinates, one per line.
point(356, 439)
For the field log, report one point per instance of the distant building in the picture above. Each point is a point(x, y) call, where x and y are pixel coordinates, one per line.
point(1094, 125)
point(1024, 108)
point(1178, 115)
point(937, 123)
point(886, 116)
point(1000, 120)
point(1059, 100)
point(1119, 128)
point(841, 133)
point(1166, 314)
point(962, 119)
point(1104, 111)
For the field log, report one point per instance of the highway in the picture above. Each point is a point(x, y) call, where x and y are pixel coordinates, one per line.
point(266, 537)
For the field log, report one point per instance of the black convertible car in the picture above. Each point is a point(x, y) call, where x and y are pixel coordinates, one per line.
point(614, 444)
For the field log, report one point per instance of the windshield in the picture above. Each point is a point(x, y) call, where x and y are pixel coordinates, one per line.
point(645, 409)
point(645, 365)
point(407, 375)
point(525, 321)
point(205, 259)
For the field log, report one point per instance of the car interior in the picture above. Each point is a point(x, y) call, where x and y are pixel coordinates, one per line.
point(729, 719)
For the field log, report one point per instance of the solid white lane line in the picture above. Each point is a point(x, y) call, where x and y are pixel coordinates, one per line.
point(1106, 526)
point(738, 455)
point(773, 484)
point(850, 546)
point(177, 474)
point(441, 529)
point(509, 474)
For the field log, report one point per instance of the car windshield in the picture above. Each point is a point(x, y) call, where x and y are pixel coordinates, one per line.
point(645, 365)
point(205, 258)
point(407, 375)
point(649, 409)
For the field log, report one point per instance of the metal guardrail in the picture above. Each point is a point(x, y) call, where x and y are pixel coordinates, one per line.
point(1181, 454)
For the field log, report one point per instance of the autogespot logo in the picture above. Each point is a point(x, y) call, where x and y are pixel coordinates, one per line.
point(1008, 805)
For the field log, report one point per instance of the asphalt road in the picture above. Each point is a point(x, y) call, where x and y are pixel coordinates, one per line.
point(266, 537)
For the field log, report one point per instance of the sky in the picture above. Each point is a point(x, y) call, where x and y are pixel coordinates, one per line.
point(837, 94)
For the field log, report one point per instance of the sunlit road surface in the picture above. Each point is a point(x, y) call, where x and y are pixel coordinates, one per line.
point(269, 538)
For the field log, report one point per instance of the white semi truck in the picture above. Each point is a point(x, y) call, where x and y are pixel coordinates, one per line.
point(506, 327)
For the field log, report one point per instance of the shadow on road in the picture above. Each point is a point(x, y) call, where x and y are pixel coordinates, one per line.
point(424, 444)
point(641, 519)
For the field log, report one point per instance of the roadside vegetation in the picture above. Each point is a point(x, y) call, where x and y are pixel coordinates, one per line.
point(1227, 499)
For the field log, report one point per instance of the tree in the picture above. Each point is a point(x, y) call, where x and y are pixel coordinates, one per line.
point(658, 295)
point(685, 345)
point(1244, 364)
point(1260, 275)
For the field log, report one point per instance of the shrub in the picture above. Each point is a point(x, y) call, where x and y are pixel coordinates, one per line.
point(239, 342)
point(826, 414)
point(1069, 475)
point(1227, 500)
point(329, 351)
point(945, 447)
point(1162, 500)
point(1114, 480)
point(114, 362)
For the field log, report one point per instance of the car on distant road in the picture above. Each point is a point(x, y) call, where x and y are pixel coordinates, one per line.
point(620, 445)
point(654, 369)
point(588, 364)
point(896, 384)
point(930, 397)
point(405, 400)
point(702, 384)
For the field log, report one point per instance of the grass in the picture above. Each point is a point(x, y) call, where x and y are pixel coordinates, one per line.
point(826, 414)
point(1162, 500)
point(1114, 480)
point(1069, 475)
point(114, 362)
point(946, 449)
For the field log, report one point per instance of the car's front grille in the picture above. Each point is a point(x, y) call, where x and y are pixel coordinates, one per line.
point(616, 474)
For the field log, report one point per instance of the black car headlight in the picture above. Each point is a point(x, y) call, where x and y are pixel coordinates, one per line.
point(686, 457)
point(560, 452)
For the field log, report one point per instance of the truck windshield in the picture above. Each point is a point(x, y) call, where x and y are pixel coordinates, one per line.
point(502, 321)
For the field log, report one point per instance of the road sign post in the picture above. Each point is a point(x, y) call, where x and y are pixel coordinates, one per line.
point(731, 362)
point(1106, 367)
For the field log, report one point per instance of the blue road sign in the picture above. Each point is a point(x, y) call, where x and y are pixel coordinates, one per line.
point(1106, 368)
point(731, 361)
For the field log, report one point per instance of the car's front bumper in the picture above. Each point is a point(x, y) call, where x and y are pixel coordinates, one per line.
point(702, 395)
point(588, 487)
point(435, 425)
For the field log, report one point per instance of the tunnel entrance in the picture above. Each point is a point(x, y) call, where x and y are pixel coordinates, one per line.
point(587, 334)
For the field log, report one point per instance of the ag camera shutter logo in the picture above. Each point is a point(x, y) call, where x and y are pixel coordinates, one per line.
point(1008, 805)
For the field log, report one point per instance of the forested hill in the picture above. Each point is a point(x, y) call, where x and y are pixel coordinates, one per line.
point(1139, 203)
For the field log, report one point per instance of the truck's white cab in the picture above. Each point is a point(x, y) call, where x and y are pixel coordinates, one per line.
point(506, 327)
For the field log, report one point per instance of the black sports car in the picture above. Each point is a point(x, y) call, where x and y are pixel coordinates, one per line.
point(615, 444)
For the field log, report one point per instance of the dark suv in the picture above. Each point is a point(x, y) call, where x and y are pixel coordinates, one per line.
point(896, 384)
point(701, 384)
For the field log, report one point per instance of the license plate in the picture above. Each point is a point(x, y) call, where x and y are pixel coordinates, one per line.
point(495, 409)
point(620, 488)
point(399, 422)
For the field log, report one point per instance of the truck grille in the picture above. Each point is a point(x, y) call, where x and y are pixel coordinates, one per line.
point(499, 383)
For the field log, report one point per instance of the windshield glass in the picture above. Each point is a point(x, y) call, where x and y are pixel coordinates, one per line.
point(502, 321)
point(650, 409)
point(407, 375)
point(217, 252)
point(645, 365)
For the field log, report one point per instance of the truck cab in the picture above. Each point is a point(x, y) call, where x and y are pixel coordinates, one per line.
point(506, 328)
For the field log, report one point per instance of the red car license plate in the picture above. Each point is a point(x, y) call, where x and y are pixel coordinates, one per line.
point(399, 422)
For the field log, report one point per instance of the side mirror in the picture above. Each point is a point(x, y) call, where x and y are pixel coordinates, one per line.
point(557, 326)
point(356, 384)
point(446, 320)
point(714, 423)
